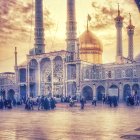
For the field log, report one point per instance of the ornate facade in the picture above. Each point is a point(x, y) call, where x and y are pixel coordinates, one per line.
point(79, 69)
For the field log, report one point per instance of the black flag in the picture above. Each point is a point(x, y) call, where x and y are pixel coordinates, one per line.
point(138, 4)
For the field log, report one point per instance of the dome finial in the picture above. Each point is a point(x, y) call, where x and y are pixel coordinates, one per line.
point(118, 9)
point(88, 19)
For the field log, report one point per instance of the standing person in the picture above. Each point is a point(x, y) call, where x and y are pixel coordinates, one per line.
point(103, 99)
point(5, 103)
point(110, 100)
point(114, 100)
point(137, 100)
point(42, 102)
point(94, 101)
point(46, 104)
point(1, 103)
point(32, 104)
point(39, 102)
point(52, 103)
point(82, 101)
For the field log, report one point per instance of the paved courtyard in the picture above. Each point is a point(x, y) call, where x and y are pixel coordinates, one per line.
point(64, 123)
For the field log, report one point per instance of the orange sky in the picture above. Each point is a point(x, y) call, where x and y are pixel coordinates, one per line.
point(17, 26)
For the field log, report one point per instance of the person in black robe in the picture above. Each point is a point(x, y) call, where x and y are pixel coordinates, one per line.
point(82, 101)
point(46, 104)
point(52, 103)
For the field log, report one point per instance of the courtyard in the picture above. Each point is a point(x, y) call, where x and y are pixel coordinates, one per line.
point(65, 123)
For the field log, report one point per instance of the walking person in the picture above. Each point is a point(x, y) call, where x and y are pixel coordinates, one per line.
point(94, 101)
point(82, 101)
point(137, 100)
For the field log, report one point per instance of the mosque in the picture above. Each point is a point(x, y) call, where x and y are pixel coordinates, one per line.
point(78, 70)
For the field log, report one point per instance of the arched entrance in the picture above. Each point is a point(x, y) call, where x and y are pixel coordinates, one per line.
point(87, 93)
point(100, 92)
point(33, 72)
point(23, 91)
point(2, 93)
point(10, 94)
point(135, 89)
point(113, 91)
point(71, 88)
point(126, 91)
point(46, 76)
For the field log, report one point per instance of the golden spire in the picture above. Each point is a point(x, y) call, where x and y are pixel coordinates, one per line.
point(118, 9)
point(88, 19)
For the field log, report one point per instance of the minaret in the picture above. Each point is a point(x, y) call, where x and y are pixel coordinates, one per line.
point(16, 76)
point(119, 25)
point(39, 30)
point(71, 26)
point(130, 32)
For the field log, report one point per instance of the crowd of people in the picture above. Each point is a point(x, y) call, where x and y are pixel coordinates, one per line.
point(49, 103)
point(43, 103)
point(7, 103)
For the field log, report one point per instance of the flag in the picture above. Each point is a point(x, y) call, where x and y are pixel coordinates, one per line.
point(89, 17)
point(138, 4)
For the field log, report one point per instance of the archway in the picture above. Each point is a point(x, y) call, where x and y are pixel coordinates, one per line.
point(46, 76)
point(10, 94)
point(135, 89)
point(100, 92)
point(113, 91)
point(33, 76)
point(126, 91)
point(87, 93)
point(23, 91)
point(22, 75)
point(71, 89)
point(2, 93)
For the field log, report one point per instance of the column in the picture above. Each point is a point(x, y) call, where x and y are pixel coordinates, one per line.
point(106, 89)
point(64, 92)
point(66, 80)
point(28, 81)
point(78, 75)
point(120, 92)
point(52, 89)
point(94, 90)
point(39, 71)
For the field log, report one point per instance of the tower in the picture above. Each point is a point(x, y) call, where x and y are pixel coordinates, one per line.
point(119, 25)
point(130, 32)
point(71, 27)
point(39, 30)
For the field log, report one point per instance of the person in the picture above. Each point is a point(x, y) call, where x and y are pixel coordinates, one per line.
point(46, 104)
point(71, 102)
point(82, 101)
point(14, 102)
point(94, 101)
point(110, 100)
point(103, 99)
point(52, 103)
point(127, 100)
point(137, 100)
point(32, 104)
point(114, 100)
point(1, 104)
point(39, 102)
point(9, 104)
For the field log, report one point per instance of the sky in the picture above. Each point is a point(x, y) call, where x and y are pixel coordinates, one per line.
point(17, 26)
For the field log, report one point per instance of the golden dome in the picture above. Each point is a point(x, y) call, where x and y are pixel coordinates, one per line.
point(89, 41)
point(90, 48)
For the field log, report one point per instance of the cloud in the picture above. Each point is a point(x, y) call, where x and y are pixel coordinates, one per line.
point(105, 12)
point(17, 19)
